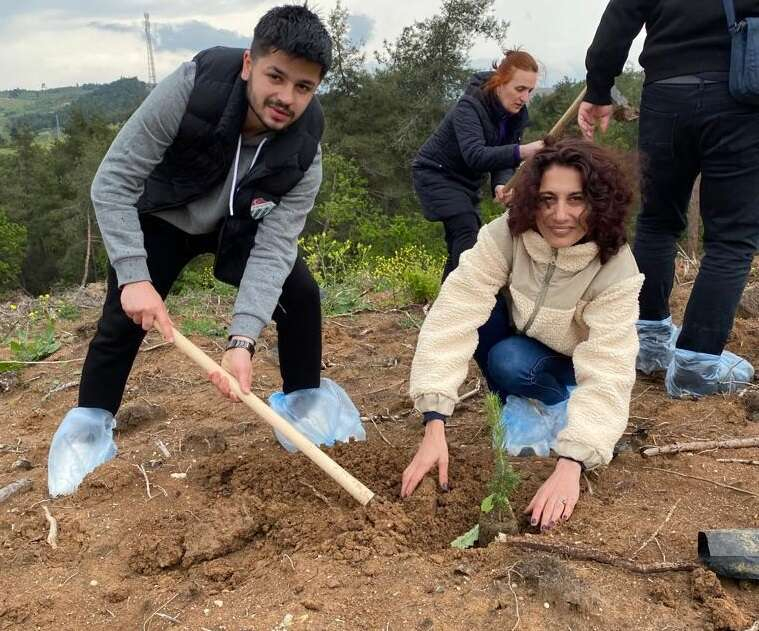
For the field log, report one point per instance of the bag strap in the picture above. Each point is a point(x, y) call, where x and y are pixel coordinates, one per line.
point(730, 13)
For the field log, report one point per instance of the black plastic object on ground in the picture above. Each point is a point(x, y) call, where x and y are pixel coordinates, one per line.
point(731, 552)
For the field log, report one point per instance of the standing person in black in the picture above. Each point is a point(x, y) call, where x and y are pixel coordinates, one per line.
point(689, 124)
point(481, 134)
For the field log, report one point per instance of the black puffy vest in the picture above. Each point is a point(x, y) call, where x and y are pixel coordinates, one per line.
point(204, 149)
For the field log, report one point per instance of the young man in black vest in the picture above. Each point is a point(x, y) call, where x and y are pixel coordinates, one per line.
point(222, 157)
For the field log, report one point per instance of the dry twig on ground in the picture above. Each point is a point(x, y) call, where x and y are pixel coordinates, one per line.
point(657, 531)
point(695, 477)
point(738, 460)
point(674, 448)
point(590, 554)
point(19, 486)
point(52, 535)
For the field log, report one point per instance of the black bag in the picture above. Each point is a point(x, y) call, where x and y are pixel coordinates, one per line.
point(744, 56)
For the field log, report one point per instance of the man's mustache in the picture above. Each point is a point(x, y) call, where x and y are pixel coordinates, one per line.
point(279, 105)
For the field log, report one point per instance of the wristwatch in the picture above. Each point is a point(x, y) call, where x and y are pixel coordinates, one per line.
point(236, 342)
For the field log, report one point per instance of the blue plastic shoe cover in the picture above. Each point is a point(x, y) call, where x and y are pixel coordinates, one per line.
point(657, 344)
point(82, 442)
point(693, 374)
point(324, 415)
point(532, 426)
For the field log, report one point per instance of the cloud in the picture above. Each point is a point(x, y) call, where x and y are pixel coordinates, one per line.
point(361, 28)
point(195, 35)
point(124, 8)
point(116, 27)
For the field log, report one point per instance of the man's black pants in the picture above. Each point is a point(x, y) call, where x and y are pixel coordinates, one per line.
point(115, 345)
point(684, 130)
point(460, 235)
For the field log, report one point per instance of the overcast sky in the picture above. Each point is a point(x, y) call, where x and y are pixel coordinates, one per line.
point(98, 41)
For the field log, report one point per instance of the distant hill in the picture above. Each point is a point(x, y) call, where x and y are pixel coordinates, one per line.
point(37, 109)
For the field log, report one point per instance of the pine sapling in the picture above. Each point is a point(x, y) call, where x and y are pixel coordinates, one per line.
point(496, 506)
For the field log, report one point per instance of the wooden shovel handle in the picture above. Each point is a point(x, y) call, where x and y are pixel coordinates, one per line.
point(357, 490)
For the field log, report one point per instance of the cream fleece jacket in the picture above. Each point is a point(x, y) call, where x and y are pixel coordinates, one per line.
point(566, 299)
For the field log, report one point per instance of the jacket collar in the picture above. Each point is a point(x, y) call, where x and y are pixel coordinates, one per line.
point(571, 259)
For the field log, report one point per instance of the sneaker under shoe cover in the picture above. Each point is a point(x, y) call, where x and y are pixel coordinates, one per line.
point(693, 374)
point(657, 344)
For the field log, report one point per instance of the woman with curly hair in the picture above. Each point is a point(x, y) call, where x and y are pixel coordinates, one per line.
point(546, 301)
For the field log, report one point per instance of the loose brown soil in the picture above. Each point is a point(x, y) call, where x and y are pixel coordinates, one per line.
point(255, 538)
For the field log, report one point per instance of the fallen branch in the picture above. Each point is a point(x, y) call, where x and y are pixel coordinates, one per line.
point(19, 486)
point(733, 443)
point(695, 477)
point(52, 535)
point(657, 531)
point(58, 388)
point(739, 461)
point(590, 554)
point(379, 431)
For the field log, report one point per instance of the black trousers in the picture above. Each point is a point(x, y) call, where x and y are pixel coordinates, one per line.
point(686, 130)
point(460, 235)
point(113, 349)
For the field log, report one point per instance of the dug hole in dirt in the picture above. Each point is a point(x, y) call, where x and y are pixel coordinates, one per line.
point(230, 532)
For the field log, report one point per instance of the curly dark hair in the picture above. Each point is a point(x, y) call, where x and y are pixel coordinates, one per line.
point(607, 184)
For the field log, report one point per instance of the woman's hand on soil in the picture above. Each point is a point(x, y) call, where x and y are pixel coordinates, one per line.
point(433, 451)
point(556, 498)
point(236, 361)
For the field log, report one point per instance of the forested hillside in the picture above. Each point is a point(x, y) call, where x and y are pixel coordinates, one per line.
point(378, 115)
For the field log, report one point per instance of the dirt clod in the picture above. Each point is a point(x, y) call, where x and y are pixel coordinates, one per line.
point(204, 440)
point(137, 415)
point(751, 401)
point(722, 608)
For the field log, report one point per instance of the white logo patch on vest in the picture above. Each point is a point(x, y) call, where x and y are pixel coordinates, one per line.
point(261, 207)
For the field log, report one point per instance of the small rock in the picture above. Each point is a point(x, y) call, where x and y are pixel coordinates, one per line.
point(22, 464)
point(312, 605)
point(751, 401)
point(463, 570)
point(748, 307)
point(116, 595)
point(547, 605)
point(425, 625)
point(333, 582)
point(93, 583)
point(8, 380)
point(218, 603)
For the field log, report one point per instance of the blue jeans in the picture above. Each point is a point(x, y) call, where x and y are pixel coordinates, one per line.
point(517, 364)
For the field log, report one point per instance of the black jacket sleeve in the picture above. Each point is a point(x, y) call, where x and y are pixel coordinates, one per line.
point(621, 22)
point(471, 139)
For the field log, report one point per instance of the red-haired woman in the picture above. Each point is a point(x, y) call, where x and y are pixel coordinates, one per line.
point(481, 134)
point(556, 287)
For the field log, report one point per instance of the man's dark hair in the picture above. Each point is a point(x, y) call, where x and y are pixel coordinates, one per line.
point(295, 31)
